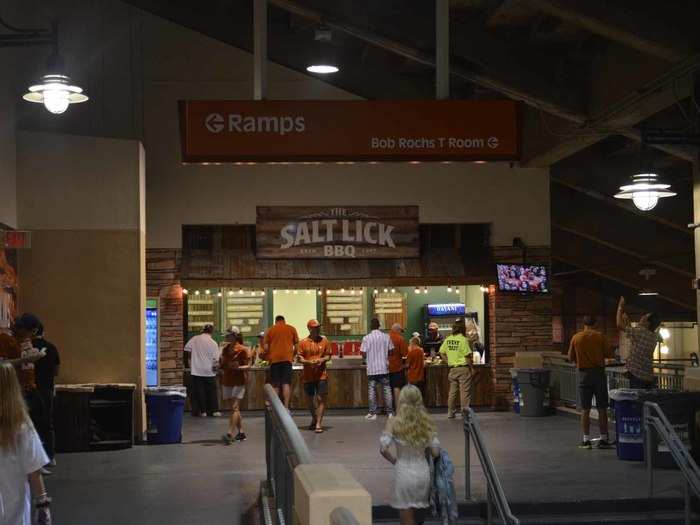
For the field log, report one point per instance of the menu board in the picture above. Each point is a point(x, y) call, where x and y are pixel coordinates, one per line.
point(246, 311)
point(201, 311)
point(343, 312)
point(390, 308)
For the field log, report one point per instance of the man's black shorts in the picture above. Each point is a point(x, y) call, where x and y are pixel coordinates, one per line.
point(593, 383)
point(397, 379)
point(281, 373)
point(316, 388)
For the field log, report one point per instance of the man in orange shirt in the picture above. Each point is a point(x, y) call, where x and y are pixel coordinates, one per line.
point(415, 365)
point(397, 376)
point(280, 345)
point(589, 349)
point(314, 353)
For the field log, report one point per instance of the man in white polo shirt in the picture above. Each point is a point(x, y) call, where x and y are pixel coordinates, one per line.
point(204, 355)
point(376, 346)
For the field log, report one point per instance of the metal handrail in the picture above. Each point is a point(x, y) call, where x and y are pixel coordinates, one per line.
point(343, 516)
point(659, 422)
point(494, 491)
point(285, 448)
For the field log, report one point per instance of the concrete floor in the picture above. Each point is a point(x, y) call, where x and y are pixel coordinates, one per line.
point(202, 481)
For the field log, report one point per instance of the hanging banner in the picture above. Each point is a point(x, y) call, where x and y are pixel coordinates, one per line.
point(333, 232)
point(304, 130)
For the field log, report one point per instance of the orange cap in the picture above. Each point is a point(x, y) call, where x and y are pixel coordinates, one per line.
point(313, 323)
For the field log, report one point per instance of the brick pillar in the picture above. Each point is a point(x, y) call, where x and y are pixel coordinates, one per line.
point(163, 282)
point(519, 323)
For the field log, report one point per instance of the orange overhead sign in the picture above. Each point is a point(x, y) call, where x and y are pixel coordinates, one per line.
point(303, 130)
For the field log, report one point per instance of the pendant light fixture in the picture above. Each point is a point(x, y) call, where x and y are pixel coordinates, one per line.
point(647, 273)
point(645, 188)
point(56, 90)
point(323, 62)
point(645, 191)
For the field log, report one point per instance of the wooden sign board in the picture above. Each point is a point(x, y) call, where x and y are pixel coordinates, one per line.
point(348, 130)
point(337, 232)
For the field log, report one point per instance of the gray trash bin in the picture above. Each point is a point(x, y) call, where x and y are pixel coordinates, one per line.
point(534, 391)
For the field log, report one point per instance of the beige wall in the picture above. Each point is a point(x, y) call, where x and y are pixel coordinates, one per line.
point(181, 64)
point(147, 64)
point(77, 182)
point(84, 286)
point(84, 276)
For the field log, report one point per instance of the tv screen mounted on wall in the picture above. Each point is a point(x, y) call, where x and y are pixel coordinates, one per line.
point(523, 278)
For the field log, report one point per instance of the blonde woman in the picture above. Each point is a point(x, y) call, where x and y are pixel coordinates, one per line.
point(21, 458)
point(411, 432)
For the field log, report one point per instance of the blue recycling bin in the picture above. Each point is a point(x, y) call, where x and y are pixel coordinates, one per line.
point(165, 408)
point(628, 424)
point(516, 390)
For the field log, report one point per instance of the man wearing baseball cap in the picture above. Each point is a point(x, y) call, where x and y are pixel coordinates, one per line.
point(433, 341)
point(314, 352)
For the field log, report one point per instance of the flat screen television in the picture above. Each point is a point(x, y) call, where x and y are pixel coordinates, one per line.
point(523, 278)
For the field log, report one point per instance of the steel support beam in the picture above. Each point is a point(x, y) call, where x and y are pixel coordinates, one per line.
point(442, 49)
point(615, 119)
point(481, 78)
point(620, 118)
point(630, 28)
point(259, 49)
point(576, 251)
point(621, 205)
point(631, 253)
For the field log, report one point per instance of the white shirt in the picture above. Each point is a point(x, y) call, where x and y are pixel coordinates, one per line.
point(376, 346)
point(15, 466)
point(204, 354)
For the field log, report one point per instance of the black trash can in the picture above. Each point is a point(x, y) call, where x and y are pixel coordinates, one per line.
point(534, 392)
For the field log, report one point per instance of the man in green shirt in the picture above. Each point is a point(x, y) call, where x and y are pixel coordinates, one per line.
point(458, 353)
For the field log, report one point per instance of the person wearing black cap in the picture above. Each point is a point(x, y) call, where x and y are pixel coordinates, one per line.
point(45, 371)
point(21, 353)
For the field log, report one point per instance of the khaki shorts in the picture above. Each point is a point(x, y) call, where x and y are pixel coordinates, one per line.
point(233, 392)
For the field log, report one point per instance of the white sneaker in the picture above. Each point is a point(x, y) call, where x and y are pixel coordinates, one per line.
point(371, 417)
point(391, 415)
point(216, 414)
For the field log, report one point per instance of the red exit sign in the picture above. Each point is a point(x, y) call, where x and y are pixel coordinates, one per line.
point(16, 240)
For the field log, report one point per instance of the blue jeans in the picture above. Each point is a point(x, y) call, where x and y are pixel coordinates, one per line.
point(372, 383)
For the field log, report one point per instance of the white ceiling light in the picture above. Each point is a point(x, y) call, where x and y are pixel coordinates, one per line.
point(56, 90)
point(645, 191)
point(324, 62)
point(648, 293)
